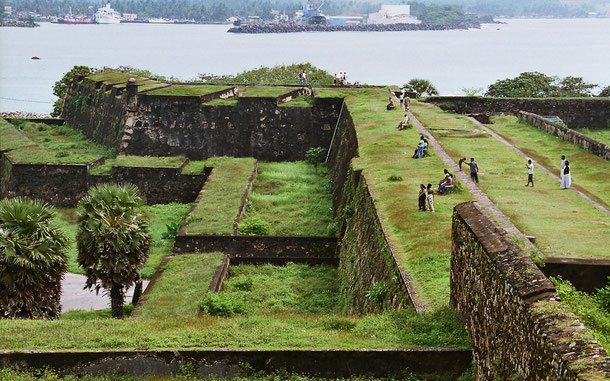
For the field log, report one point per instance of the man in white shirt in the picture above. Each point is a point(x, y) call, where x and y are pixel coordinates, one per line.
point(530, 173)
point(563, 165)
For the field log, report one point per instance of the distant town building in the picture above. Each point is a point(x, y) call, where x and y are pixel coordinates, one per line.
point(8, 10)
point(393, 14)
point(345, 20)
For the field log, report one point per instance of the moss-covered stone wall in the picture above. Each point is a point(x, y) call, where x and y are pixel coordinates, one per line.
point(98, 110)
point(370, 277)
point(518, 327)
point(585, 112)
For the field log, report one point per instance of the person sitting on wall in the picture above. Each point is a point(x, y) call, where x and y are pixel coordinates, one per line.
point(422, 149)
point(404, 123)
point(305, 91)
point(390, 105)
point(447, 180)
point(421, 197)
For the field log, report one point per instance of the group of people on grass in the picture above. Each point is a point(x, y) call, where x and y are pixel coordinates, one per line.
point(565, 175)
point(422, 148)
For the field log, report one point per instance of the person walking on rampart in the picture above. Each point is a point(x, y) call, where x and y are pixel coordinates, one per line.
point(530, 173)
point(474, 170)
point(429, 199)
point(566, 176)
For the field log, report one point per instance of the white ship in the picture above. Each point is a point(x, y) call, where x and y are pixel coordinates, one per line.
point(107, 15)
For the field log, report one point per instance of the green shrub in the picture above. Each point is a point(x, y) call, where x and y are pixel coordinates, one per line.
point(62, 154)
point(315, 155)
point(603, 296)
point(377, 292)
point(348, 211)
point(172, 231)
point(224, 304)
point(338, 323)
point(254, 226)
point(242, 283)
point(394, 178)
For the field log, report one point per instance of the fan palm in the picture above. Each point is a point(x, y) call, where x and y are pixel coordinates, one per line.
point(32, 260)
point(113, 240)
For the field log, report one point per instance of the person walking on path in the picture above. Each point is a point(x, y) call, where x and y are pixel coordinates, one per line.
point(530, 173)
point(566, 176)
point(429, 199)
point(474, 170)
point(421, 197)
point(563, 164)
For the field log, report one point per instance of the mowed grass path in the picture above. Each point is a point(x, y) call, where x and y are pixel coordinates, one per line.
point(223, 191)
point(422, 241)
point(183, 283)
point(588, 170)
point(292, 198)
point(564, 224)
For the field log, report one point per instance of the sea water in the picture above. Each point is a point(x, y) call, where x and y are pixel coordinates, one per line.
point(451, 60)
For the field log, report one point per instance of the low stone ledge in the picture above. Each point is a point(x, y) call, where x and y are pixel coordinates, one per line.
point(584, 274)
point(426, 362)
point(564, 133)
point(258, 246)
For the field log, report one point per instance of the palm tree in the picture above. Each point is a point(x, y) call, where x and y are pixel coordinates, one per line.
point(32, 260)
point(421, 87)
point(113, 240)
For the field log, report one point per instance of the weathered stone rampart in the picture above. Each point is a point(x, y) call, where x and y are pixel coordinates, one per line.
point(97, 111)
point(518, 327)
point(567, 134)
point(64, 185)
point(366, 258)
point(163, 125)
point(591, 113)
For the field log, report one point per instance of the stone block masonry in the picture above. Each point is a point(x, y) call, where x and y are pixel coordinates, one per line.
point(593, 113)
point(64, 185)
point(567, 134)
point(518, 327)
point(135, 123)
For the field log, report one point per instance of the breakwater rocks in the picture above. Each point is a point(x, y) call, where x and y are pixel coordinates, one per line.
point(20, 24)
point(290, 28)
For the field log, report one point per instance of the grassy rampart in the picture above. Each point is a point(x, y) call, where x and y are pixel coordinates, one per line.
point(564, 224)
point(222, 195)
point(588, 169)
point(293, 198)
point(421, 241)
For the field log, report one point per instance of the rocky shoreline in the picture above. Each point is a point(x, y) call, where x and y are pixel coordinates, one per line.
point(19, 24)
point(290, 28)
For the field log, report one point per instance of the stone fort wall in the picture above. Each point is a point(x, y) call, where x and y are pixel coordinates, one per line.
point(157, 125)
point(591, 113)
point(518, 326)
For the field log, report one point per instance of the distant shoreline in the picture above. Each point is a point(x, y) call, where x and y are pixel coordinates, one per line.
point(295, 28)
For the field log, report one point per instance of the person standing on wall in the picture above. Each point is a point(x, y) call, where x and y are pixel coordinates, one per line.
point(474, 170)
point(530, 173)
point(566, 176)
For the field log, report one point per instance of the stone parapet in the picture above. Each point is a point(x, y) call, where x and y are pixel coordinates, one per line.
point(518, 326)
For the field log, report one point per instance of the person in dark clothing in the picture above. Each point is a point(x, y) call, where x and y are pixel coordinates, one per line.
point(474, 170)
point(422, 197)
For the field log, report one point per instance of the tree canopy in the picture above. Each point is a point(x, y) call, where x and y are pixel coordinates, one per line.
point(539, 85)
